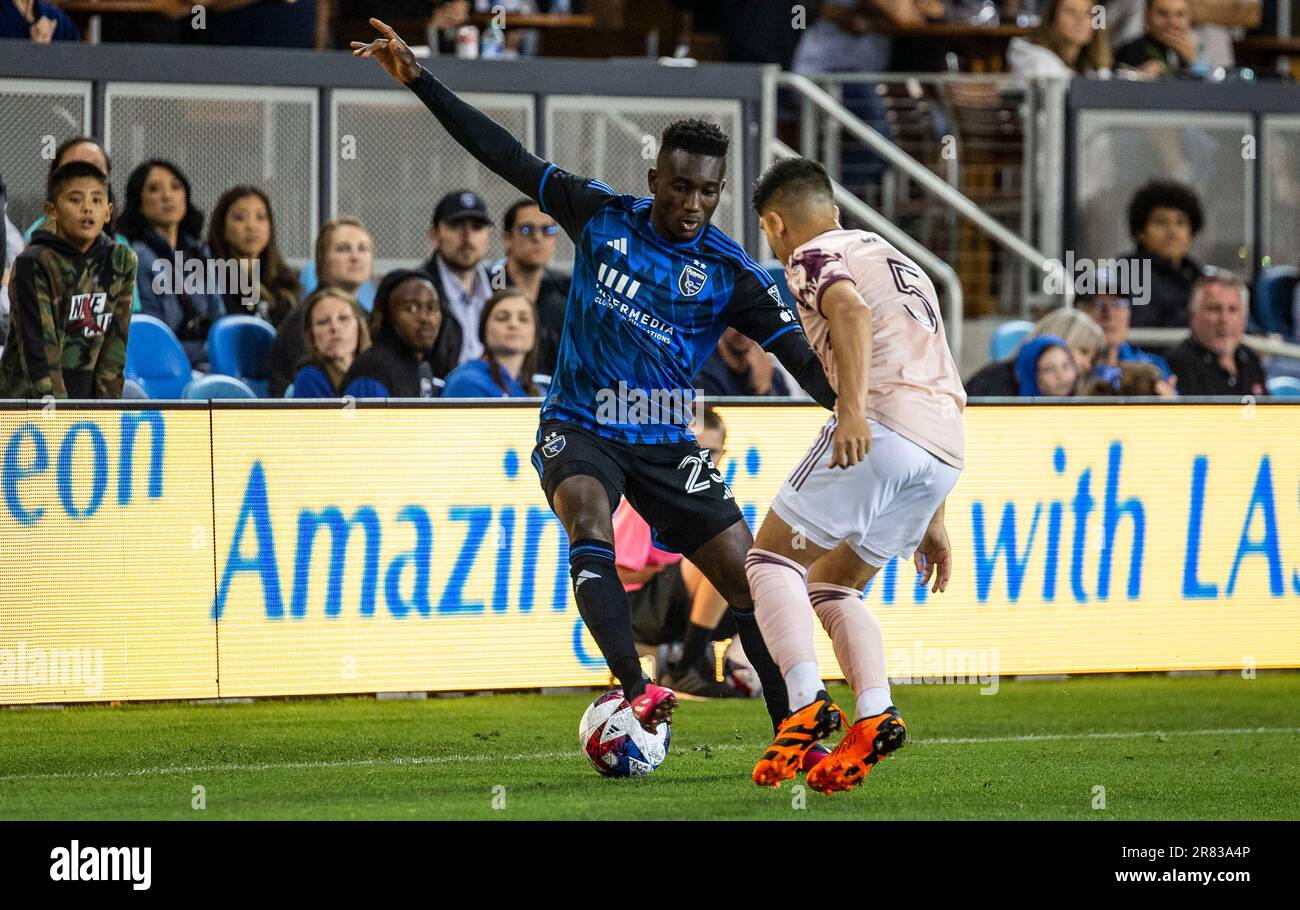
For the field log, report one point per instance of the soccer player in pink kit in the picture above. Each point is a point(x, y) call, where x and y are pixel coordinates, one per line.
point(871, 487)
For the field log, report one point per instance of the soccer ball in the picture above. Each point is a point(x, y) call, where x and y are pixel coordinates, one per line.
point(615, 743)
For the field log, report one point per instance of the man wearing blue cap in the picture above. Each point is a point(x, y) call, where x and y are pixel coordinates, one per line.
point(460, 234)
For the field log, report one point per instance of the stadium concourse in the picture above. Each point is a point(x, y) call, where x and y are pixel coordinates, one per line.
point(384, 384)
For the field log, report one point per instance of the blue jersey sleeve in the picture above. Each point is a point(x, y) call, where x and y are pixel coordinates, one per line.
point(757, 311)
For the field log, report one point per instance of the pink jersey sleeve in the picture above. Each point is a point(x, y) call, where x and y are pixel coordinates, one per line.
point(813, 270)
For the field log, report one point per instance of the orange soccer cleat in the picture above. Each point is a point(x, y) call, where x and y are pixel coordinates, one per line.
point(867, 742)
point(795, 738)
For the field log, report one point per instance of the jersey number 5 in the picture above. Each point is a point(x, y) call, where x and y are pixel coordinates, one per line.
point(906, 280)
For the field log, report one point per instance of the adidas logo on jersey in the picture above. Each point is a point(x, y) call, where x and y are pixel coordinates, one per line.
point(620, 244)
point(618, 282)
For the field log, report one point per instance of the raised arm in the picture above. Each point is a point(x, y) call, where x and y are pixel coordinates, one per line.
point(568, 198)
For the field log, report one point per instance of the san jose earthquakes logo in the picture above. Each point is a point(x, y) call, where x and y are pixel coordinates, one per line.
point(553, 445)
point(691, 281)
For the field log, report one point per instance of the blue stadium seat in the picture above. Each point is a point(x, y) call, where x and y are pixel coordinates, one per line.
point(1284, 387)
point(240, 346)
point(215, 385)
point(288, 390)
point(155, 359)
point(1272, 299)
point(133, 390)
point(1007, 337)
point(777, 271)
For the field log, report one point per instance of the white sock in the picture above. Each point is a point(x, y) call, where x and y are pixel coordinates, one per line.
point(803, 681)
point(873, 701)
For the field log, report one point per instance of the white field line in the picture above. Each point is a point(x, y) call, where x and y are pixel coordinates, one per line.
point(552, 756)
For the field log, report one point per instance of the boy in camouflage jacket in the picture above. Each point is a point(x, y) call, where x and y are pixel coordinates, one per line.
point(70, 297)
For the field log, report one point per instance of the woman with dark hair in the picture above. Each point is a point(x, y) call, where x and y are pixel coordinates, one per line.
point(507, 329)
point(242, 228)
point(335, 335)
point(164, 226)
point(405, 324)
point(1063, 45)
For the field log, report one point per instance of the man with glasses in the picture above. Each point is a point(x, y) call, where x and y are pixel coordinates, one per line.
point(530, 237)
point(1113, 313)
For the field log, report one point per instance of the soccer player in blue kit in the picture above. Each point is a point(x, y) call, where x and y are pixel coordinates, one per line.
point(654, 287)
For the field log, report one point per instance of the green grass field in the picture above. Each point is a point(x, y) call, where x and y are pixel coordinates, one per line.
point(1202, 747)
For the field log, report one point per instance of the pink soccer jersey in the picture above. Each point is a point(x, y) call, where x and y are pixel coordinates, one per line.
point(913, 386)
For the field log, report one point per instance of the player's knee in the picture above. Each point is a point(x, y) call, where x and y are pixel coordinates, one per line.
point(740, 599)
point(590, 526)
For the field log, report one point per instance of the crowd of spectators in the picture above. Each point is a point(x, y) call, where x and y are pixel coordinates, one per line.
point(458, 325)
point(461, 326)
point(1168, 289)
point(1150, 38)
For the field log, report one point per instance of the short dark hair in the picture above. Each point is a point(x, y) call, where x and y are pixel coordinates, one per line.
point(512, 213)
point(799, 177)
point(696, 137)
point(65, 173)
point(1163, 194)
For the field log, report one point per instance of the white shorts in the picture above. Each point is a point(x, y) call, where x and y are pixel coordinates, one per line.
point(881, 506)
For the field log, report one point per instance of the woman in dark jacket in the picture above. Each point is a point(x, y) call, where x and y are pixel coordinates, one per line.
point(405, 325)
point(243, 229)
point(335, 335)
point(162, 224)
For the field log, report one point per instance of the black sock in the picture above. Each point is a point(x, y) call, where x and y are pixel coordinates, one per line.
point(604, 608)
point(769, 674)
point(697, 647)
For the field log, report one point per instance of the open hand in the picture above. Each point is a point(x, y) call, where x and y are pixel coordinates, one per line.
point(392, 53)
point(933, 557)
point(852, 441)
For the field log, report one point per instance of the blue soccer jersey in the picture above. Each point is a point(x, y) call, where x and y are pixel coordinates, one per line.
point(643, 313)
